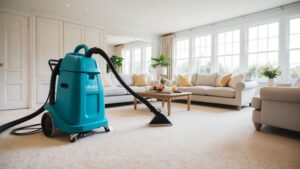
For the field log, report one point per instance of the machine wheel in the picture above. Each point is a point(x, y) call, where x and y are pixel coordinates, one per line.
point(48, 125)
point(106, 128)
point(73, 138)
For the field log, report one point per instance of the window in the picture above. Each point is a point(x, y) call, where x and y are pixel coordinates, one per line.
point(137, 59)
point(262, 46)
point(127, 61)
point(137, 64)
point(181, 61)
point(228, 52)
point(294, 48)
point(148, 56)
point(202, 57)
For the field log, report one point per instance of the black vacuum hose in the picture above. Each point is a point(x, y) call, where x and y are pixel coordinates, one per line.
point(159, 118)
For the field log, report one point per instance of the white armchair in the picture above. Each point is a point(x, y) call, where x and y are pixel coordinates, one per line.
point(277, 106)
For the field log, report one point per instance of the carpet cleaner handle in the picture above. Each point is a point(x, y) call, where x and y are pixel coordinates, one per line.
point(52, 63)
point(79, 47)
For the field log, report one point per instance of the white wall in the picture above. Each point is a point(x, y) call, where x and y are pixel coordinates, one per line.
point(50, 37)
point(277, 14)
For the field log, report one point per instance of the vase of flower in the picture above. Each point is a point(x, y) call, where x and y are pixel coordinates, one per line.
point(270, 82)
point(271, 73)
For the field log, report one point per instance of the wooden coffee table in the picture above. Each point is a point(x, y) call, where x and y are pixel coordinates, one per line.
point(165, 97)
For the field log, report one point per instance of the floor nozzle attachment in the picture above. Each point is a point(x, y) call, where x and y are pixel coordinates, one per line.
point(160, 120)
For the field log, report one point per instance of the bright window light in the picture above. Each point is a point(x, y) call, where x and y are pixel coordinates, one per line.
point(228, 52)
point(263, 46)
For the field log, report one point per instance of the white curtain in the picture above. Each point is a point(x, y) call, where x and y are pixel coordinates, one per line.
point(166, 48)
point(118, 50)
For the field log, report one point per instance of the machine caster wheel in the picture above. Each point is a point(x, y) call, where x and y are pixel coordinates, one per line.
point(48, 125)
point(106, 128)
point(73, 138)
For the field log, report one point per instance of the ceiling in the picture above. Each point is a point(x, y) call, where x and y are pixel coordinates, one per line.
point(155, 17)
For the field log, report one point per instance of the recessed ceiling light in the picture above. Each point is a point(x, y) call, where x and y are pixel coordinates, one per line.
point(68, 5)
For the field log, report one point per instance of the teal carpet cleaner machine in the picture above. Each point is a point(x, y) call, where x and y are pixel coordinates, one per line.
point(75, 103)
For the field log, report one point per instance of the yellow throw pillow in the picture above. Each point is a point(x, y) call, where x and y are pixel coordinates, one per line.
point(184, 80)
point(106, 80)
point(140, 80)
point(224, 80)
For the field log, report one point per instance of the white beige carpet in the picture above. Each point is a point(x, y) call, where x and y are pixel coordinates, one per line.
point(205, 138)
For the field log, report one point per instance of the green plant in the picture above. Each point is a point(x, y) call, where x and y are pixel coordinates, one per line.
point(117, 61)
point(270, 71)
point(160, 61)
point(163, 81)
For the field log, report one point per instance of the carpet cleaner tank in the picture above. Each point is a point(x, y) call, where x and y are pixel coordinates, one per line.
point(79, 103)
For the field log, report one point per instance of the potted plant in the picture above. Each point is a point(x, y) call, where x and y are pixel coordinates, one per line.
point(117, 61)
point(160, 63)
point(271, 73)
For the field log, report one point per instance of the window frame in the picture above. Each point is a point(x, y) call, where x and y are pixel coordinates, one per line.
point(143, 61)
point(288, 35)
point(193, 48)
point(174, 60)
point(231, 29)
point(247, 40)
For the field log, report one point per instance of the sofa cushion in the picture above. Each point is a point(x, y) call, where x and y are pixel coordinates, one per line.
point(114, 91)
point(206, 80)
point(249, 77)
point(199, 90)
point(127, 79)
point(184, 80)
point(223, 80)
point(235, 79)
point(140, 79)
point(256, 103)
point(220, 91)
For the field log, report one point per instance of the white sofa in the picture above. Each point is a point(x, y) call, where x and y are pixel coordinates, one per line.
point(205, 89)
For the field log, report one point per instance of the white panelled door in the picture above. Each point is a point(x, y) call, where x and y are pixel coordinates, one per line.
point(73, 36)
point(49, 39)
point(13, 62)
point(94, 38)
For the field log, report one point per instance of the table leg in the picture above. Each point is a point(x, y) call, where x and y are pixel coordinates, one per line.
point(189, 103)
point(135, 103)
point(169, 106)
point(162, 102)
